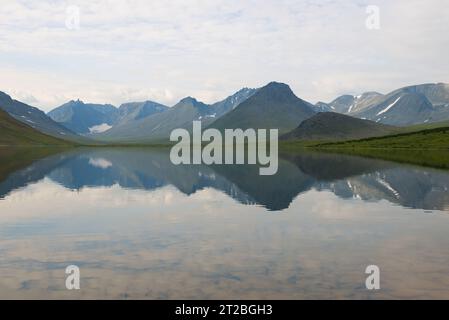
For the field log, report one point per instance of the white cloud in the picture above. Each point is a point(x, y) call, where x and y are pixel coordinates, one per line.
point(165, 50)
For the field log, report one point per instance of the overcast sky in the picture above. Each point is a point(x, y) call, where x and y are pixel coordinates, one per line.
point(165, 50)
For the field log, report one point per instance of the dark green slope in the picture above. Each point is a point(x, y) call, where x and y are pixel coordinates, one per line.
point(332, 126)
point(437, 138)
point(16, 133)
point(274, 106)
point(427, 147)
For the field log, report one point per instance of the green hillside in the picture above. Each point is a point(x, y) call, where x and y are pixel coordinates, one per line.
point(425, 126)
point(15, 133)
point(427, 147)
point(437, 139)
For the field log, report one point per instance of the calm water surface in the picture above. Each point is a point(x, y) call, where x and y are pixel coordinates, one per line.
point(140, 227)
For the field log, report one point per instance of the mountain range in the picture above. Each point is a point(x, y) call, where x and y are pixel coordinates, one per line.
point(85, 118)
point(271, 106)
point(402, 107)
point(158, 126)
point(88, 118)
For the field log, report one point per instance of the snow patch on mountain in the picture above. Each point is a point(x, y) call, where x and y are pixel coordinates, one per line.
point(389, 107)
point(100, 128)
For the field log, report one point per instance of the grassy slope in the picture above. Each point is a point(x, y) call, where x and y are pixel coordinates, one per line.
point(424, 126)
point(15, 133)
point(427, 147)
point(437, 138)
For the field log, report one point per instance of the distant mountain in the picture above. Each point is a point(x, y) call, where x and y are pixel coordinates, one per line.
point(322, 107)
point(154, 122)
point(405, 106)
point(272, 106)
point(436, 93)
point(16, 133)
point(335, 126)
point(35, 118)
point(400, 108)
point(231, 102)
point(138, 110)
point(342, 104)
point(363, 101)
point(84, 118)
point(88, 118)
point(158, 127)
point(347, 104)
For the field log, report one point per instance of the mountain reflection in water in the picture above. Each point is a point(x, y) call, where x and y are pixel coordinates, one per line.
point(149, 169)
point(139, 227)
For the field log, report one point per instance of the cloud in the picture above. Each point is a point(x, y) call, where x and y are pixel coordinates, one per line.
point(165, 50)
point(100, 163)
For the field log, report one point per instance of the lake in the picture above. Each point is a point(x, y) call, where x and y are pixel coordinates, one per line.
point(140, 227)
